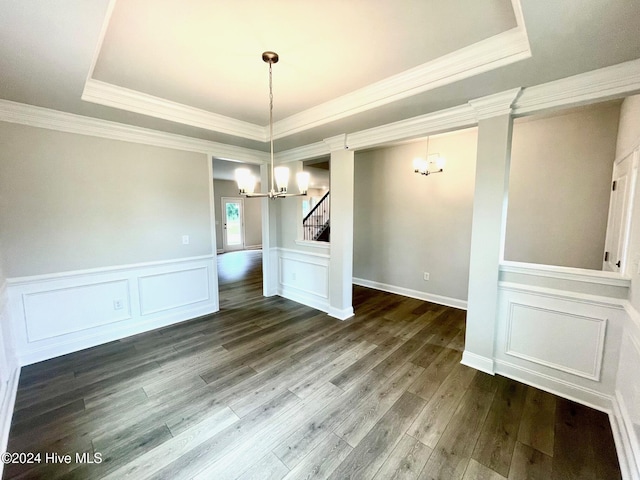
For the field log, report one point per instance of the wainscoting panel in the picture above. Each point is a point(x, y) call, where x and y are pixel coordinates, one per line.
point(304, 277)
point(627, 396)
point(564, 342)
point(173, 289)
point(86, 306)
point(584, 333)
point(55, 314)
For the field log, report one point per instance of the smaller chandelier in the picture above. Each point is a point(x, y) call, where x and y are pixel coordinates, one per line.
point(279, 175)
point(433, 163)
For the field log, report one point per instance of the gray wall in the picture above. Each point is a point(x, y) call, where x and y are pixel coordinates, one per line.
point(559, 189)
point(406, 224)
point(252, 213)
point(70, 202)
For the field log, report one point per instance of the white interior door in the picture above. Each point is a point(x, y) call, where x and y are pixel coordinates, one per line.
point(622, 188)
point(233, 224)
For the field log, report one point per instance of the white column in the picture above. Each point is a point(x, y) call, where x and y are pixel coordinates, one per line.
point(487, 230)
point(341, 235)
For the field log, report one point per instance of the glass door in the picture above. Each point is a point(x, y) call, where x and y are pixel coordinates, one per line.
point(233, 224)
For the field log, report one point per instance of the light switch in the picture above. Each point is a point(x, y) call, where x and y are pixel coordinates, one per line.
point(185, 239)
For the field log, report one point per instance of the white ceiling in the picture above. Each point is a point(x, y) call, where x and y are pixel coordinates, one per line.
point(345, 65)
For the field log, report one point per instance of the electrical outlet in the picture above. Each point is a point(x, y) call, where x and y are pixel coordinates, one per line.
point(293, 276)
point(425, 276)
point(117, 304)
point(185, 239)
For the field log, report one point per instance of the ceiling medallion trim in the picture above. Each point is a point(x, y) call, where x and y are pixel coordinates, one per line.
point(494, 52)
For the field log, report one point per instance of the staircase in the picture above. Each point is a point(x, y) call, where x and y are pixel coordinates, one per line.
point(315, 225)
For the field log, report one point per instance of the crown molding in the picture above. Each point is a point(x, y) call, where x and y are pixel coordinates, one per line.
point(122, 98)
point(603, 84)
point(40, 117)
point(488, 54)
point(337, 142)
point(496, 104)
point(462, 116)
point(306, 152)
point(502, 49)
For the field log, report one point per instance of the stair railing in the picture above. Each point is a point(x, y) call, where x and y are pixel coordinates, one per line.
point(317, 220)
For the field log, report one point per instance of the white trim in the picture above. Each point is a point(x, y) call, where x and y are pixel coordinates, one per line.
point(407, 292)
point(499, 50)
point(589, 299)
point(344, 314)
point(594, 374)
point(623, 436)
point(6, 410)
point(199, 298)
point(40, 117)
point(495, 105)
point(122, 98)
point(92, 271)
point(566, 273)
point(293, 290)
point(562, 388)
point(494, 52)
point(478, 362)
point(313, 244)
point(253, 247)
point(609, 82)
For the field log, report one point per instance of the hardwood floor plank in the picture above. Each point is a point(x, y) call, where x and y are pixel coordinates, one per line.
point(146, 465)
point(497, 440)
point(211, 450)
point(316, 428)
point(322, 460)
point(538, 421)
point(348, 376)
point(367, 414)
point(365, 460)
point(428, 382)
point(261, 442)
point(477, 471)
point(451, 455)
point(406, 460)
point(432, 421)
point(529, 464)
point(268, 468)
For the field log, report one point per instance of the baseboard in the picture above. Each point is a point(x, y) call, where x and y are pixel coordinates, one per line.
point(621, 427)
point(309, 300)
point(253, 247)
point(341, 314)
point(6, 410)
point(585, 396)
point(406, 292)
point(478, 362)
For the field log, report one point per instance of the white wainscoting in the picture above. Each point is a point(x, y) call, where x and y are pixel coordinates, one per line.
point(560, 341)
point(55, 314)
point(627, 395)
point(9, 372)
point(304, 277)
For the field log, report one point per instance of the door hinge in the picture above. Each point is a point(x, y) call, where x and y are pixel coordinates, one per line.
point(613, 186)
point(606, 256)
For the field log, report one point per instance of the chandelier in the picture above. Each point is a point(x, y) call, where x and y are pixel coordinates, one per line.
point(279, 175)
point(433, 163)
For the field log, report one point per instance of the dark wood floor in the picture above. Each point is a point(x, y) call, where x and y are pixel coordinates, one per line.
point(270, 389)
